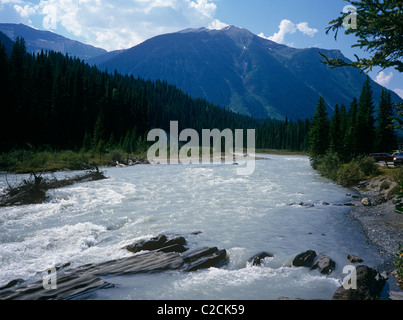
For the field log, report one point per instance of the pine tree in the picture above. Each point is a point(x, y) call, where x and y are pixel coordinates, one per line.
point(385, 140)
point(365, 120)
point(6, 105)
point(350, 139)
point(319, 132)
point(336, 133)
point(18, 89)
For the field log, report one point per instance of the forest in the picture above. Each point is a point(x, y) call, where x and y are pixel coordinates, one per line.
point(52, 101)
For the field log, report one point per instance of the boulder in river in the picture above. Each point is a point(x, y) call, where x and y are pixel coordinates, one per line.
point(324, 264)
point(205, 258)
point(304, 259)
point(369, 286)
point(160, 243)
point(354, 259)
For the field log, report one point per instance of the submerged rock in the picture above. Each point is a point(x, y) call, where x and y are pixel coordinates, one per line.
point(256, 260)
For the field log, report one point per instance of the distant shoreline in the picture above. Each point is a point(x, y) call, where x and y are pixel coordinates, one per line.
point(28, 161)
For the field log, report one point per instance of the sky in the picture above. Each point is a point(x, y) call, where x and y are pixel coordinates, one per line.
point(120, 24)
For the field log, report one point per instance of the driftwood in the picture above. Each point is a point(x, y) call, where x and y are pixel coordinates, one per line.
point(33, 190)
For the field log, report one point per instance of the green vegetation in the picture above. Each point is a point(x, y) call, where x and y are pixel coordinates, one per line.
point(339, 147)
point(399, 265)
point(34, 160)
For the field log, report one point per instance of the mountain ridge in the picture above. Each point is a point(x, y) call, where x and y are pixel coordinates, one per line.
point(243, 72)
point(37, 40)
point(231, 67)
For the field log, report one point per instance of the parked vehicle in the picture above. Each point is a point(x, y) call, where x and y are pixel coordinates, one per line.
point(385, 157)
point(398, 159)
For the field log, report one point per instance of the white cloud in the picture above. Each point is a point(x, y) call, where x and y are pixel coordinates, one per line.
point(119, 24)
point(384, 79)
point(285, 27)
point(288, 27)
point(305, 29)
point(204, 6)
point(399, 92)
point(24, 11)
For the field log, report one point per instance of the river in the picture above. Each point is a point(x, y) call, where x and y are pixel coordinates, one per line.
point(92, 222)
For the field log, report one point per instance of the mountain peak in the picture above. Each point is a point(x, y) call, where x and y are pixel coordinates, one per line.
point(193, 30)
point(38, 40)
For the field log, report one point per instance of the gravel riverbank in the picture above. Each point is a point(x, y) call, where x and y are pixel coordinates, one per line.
point(383, 227)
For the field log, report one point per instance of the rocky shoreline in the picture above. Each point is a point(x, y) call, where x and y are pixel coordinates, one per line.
point(374, 210)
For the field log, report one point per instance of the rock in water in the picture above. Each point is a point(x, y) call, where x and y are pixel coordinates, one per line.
point(160, 243)
point(304, 259)
point(369, 286)
point(162, 255)
point(257, 259)
point(148, 245)
point(324, 264)
point(354, 259)
point(205, 258)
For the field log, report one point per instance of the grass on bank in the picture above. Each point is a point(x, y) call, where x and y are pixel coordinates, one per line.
point(28, 161)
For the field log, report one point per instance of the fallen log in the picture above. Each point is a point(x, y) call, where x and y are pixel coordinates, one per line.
point(33, 190)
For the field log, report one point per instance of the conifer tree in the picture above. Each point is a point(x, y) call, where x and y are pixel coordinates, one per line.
point(319, 131)
point(336, 133)
point(385, 140)
point(350, 139)
point(4, 94)
point(365, 120)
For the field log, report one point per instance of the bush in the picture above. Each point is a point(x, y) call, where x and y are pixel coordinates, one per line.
point(350, 174)
point(117, 155)
point(368, 166)
point(329, 165)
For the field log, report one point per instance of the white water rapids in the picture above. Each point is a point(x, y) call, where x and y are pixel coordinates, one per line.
point(91, 222)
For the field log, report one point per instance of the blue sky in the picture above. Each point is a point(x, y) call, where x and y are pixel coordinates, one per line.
point(121, 24)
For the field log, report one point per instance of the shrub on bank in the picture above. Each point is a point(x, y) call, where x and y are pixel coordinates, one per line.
point(368, 166)
point(329, 164)
point(350, 174)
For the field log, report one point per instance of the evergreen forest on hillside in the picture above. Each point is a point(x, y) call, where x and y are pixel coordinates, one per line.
point(52, 101)
point(57, 101)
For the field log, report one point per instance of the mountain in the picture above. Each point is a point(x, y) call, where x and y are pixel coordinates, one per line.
point(7, 43)
point(37, 40)
point(241, 71)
